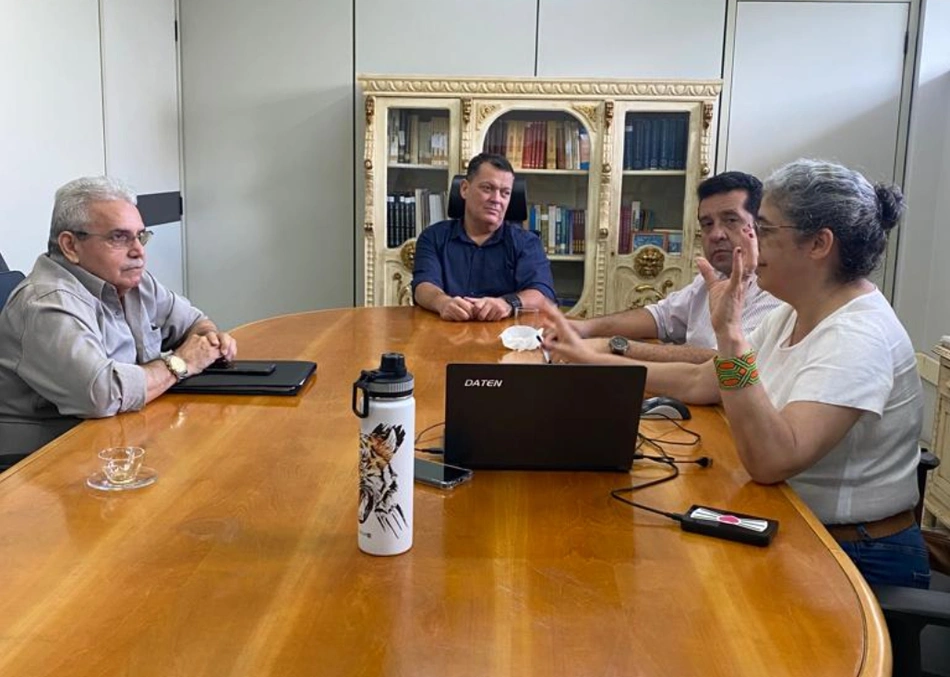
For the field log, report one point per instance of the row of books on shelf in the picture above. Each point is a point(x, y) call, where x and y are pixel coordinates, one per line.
point(632, 218)
point(540, 144)
point(655, 141)
point(417, 138)
point(637, 228)
point(670, 241)
point(409, 213)
point(563, 230)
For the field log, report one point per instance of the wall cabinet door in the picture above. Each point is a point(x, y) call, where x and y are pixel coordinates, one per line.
point(816, 80)
point(140, 96)
point(51, 126)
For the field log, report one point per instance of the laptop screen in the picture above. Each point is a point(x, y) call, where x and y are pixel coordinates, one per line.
point(542, 416)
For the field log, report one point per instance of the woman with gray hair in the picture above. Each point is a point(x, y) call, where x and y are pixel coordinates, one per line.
point(824, 393)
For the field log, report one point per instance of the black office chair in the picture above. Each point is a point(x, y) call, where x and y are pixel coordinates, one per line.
point(8, 280)
point(918, 620)
point(517, 211)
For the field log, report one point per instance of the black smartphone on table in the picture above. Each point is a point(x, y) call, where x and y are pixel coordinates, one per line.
point(247, 367)
point(440, 475)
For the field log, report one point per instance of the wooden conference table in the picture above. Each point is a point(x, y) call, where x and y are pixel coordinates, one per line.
point(242, 558)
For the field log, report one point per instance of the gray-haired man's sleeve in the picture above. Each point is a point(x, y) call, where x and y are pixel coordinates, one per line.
point(171, 313)
point(64, 361)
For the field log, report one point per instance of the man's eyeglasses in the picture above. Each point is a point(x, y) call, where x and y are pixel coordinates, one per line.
point(118, 239)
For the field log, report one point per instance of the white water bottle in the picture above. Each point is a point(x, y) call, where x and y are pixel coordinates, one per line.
point(387, 412)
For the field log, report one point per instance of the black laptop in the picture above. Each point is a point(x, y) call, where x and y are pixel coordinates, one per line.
point(542, 416)
point(287, 378)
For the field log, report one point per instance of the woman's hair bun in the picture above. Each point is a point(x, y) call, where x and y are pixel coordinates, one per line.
point(891, 204)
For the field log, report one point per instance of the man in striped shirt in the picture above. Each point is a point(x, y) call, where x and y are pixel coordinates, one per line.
point(728, 205)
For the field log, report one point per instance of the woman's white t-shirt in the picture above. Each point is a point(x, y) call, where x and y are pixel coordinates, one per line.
point(861, 357)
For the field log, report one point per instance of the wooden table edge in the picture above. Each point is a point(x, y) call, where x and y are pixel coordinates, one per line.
point(39, 454)
point(877, 661)
point(877, 654)
point(298, 313)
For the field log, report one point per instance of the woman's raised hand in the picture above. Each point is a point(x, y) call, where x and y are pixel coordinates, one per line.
point(726, 297)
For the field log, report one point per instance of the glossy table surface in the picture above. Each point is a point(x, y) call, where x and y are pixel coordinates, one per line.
point(242, 558)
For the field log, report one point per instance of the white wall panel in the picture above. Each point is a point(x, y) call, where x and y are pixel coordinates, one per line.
point(923, 274)
point(633, 39)
point(51, 115)
point(820, 80)
point(434, 37)
point(140, 85)
point(267, 96)
point(816, 79)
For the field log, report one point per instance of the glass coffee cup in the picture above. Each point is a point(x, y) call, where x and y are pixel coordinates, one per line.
point(121, 465)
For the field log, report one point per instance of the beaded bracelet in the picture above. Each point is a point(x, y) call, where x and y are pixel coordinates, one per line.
point(737, 372)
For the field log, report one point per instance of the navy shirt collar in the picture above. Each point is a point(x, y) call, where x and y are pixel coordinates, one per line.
point(458, 232)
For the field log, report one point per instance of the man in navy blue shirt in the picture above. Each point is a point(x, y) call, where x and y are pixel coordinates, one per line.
point(481, 267)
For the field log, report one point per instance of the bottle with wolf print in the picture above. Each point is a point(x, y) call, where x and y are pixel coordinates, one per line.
point(382, 399)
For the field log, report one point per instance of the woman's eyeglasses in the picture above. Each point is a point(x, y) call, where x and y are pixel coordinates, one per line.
point(767, 227)
point(733, 224)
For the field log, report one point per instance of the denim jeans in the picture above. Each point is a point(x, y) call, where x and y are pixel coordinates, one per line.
point(899, 559)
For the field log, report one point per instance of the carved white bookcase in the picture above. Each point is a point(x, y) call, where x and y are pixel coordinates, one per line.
point(615, 163)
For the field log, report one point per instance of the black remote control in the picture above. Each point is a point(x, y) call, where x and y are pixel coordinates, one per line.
point(732, 526)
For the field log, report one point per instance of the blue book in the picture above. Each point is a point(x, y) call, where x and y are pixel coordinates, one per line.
point(682, 138)
point(666, 142)
point(639, 147)
point(628, 143)
point(584, 149)
point(653, 159)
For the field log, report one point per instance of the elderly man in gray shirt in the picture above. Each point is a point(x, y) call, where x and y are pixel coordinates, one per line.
point(90, 333)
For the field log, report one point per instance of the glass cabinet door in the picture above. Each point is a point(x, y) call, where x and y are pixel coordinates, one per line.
point(654, 221)
point(653, 192)
point(418, 170)
point(551, 150)
point(412, 151)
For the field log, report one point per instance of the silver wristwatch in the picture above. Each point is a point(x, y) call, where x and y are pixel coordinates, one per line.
point(618, 345)
point(175, 365)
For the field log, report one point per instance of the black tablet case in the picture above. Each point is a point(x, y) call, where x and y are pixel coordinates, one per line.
point(288, 378)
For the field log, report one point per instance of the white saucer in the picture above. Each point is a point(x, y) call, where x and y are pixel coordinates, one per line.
point(145, 477)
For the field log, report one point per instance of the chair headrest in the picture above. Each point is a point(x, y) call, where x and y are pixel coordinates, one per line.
point(517, 208)
point(8, 280)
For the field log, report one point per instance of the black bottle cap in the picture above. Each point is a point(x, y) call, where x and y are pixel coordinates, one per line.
point(393, 365)
point(390, 380)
